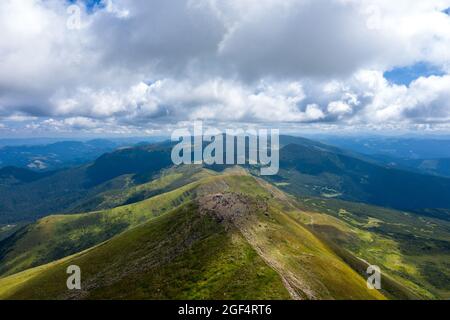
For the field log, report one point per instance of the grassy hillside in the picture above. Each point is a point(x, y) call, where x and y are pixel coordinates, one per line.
point(233, 240)
point(55, 237)
point(199, 260)
point(413, 250)
point(168, 180)
point(229, 235)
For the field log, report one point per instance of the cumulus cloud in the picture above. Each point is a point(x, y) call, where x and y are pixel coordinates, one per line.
point(140, 64)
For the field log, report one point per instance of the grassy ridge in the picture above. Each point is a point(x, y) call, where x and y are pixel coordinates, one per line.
point(255, 251)
point(168, 180)
point(200, 260)
point(229, 236)
point(310, 267)
point(55, 237)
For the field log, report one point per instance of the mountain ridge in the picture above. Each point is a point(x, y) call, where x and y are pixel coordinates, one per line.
point(306, 168)
point(258, 228)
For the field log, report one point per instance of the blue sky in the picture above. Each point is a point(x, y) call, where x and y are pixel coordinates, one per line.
point(406, 75)
point(90, 4)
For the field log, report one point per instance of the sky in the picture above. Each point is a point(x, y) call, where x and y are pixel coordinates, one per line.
point(146, 67)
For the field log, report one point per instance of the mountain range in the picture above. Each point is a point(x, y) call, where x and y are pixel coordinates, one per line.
point(53, 154)
point(140, 228)
point(430, 155)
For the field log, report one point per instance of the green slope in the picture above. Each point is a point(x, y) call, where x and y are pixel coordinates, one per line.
point(411, 249)
point(319, 248)
point(167, 180)
point(199, 260)
point(55, 237)
point(235, 240)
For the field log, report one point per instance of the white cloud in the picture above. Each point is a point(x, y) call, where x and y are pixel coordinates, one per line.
point(339, 107)
point(426, 100)
point(140, 64)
